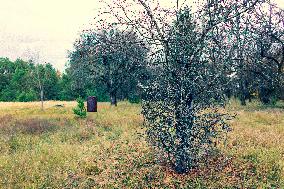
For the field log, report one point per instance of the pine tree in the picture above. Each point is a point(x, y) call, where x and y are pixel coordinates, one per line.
point(80, 110)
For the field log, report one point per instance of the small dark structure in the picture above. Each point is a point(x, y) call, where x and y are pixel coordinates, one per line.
point(59, 105)
point(92, 104)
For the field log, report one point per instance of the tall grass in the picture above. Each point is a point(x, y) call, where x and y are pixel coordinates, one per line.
point(54, 149)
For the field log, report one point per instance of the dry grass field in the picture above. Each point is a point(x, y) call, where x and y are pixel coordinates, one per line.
point(54, 149)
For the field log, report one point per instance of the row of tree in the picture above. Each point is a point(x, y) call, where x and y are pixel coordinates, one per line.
point(19, 80)
point(25, 81)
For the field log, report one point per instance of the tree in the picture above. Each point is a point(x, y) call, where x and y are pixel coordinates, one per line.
point(6, 73)
point(48, 81)
point(20, 87)
point(186, 87)
point(256, 45)
point(34, 58)
point(269, 30)
point(110, 65)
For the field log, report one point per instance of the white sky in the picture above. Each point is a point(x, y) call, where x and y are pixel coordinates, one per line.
point(49, 27)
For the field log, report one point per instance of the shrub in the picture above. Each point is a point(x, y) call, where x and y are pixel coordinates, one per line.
point(80, 110)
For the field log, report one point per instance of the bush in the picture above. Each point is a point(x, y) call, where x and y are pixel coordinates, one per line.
point(80, 110)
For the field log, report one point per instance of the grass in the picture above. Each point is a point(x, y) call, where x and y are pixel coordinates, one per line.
point(54, 149)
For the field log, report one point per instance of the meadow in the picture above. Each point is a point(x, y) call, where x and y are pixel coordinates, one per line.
point(108, 149)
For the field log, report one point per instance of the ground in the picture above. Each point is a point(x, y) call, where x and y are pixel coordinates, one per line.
point(54, 149)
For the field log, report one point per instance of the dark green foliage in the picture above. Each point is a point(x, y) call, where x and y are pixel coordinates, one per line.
point(49, 79)
point(19, 81)
point(6, 71)
point(27, 96)
point(65, 88)
point(134, 98)
point(80, 110)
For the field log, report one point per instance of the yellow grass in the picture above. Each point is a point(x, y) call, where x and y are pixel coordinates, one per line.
point(54, 149)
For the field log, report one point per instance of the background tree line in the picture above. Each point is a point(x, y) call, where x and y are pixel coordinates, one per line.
point(24, 80)
point(19, 81)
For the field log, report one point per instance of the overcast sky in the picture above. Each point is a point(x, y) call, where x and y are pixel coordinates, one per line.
point(47, 26)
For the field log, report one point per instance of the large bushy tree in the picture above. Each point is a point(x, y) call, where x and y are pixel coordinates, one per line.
point(190, 66)
point(111, 60)
point(180, 104)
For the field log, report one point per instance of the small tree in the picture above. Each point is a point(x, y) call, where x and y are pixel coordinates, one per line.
point(80, 110)
point(186, 87)
point(181, 102)
point(34, 58)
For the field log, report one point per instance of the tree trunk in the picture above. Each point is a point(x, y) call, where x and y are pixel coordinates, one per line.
point(243, 93)
point(249, 97)
point(243, 100)
point(113, 100)
point(265, 95)
point(182, 160)
point(41, 99)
